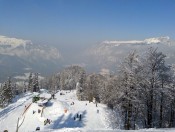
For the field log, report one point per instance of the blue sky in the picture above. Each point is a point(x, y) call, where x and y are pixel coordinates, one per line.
point(82, 23)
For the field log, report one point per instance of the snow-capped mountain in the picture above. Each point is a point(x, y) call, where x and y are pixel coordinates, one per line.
point(158, 40)
point(25, 48)
point(108, 54)
point(17, 54)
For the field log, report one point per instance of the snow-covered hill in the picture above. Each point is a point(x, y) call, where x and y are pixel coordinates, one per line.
point(92, 117)
point(62, 114)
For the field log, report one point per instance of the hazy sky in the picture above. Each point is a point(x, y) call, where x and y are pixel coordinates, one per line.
point(86, 22)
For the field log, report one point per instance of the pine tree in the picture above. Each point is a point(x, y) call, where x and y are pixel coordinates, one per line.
point(1, 96)
point(36, 83)
point(7, 92)
point(80, 86)
point(30, 83)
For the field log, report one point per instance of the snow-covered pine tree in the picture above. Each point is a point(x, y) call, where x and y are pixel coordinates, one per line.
point(80, 87)
point(7, 92)
point(35, 83)
point(1, 96)
point(30, 83)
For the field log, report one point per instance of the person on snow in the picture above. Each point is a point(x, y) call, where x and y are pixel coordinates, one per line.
point(38, 128)
point(80, 117)
point(53, 96)
point(45, 122)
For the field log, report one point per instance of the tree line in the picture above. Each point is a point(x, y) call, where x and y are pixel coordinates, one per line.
point(10, 89)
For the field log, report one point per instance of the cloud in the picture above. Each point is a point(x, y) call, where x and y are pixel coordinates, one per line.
point(13, 42)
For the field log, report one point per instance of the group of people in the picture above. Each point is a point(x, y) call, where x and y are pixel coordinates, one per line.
point(78, 116)
point(47, 121)
point(35, 111)
point(72, 103)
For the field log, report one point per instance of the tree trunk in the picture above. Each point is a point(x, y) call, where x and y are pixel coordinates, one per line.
point(161, 111)
point(171, 116)
point(129, 116)
point(150, 110)
point(126, 118)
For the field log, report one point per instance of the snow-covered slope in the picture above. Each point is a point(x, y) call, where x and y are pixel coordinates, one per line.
point(10, 114)
point(92, 118)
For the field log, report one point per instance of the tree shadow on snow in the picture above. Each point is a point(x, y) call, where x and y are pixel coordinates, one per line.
point(69, 122)
point(9, 109)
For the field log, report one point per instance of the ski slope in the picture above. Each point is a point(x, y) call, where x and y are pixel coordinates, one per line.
point(10, 114)
point(62, 113)
point(55, 111)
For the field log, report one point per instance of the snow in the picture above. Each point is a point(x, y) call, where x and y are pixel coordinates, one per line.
point(13, 42)
point(61, 113)
point(10, 114)
point(146, 41)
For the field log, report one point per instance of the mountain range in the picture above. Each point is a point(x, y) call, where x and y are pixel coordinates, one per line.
point(110, 54)
point(18, 56)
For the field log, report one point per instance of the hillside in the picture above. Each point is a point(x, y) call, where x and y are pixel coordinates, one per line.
point(91, 119)
point(55, 111)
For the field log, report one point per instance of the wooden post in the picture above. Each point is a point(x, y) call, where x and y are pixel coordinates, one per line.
point(17, 125)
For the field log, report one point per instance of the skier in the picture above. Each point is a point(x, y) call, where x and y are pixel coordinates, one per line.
point(45, 122)
point(48, 121)
point(38, 128)
point(53, 95)
point(80, 117)
point(77, 115)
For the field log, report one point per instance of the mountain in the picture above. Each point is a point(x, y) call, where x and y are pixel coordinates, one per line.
point(18, 55)
point(109, 54)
